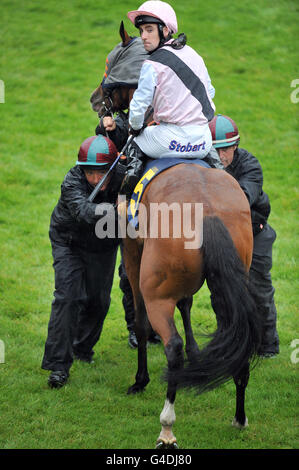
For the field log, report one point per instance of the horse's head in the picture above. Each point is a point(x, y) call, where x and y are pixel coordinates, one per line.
point(121, 75)
point(110, 100)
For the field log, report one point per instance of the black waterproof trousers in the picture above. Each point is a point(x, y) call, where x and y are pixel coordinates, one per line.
point(83, 282)
point(264, 291)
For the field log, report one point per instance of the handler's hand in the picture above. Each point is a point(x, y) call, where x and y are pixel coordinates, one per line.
point(109, 123)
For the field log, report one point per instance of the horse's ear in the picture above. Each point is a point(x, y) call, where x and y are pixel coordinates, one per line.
point(124, 35)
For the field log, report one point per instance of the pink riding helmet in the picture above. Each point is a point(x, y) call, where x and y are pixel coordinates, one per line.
point(157, 9)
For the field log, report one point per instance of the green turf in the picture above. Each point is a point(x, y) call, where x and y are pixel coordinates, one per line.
point(52, 57)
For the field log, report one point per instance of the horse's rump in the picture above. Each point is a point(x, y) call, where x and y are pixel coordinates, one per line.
point(169, 271)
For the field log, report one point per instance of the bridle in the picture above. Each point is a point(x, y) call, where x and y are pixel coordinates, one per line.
point(108, 104)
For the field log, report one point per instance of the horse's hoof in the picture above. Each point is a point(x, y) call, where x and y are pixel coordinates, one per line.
point(138, 386)
point(166, 445)
point(135, 389)
point(238, 425)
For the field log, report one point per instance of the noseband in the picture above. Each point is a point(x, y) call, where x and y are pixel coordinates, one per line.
point(107, 104)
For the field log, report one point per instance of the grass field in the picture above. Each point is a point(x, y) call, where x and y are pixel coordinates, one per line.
point(52, 57)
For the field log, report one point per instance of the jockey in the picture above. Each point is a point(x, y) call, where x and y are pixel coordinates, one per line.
point(175, 82)
point(246, 169)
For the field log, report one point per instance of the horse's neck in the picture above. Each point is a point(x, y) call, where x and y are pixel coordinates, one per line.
point(123, 100)
point(127, 95)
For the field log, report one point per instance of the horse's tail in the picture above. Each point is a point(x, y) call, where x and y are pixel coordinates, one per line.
point(236, 340)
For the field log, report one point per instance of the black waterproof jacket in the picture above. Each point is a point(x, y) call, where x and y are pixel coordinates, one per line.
point(246, 169)
point(73, 219)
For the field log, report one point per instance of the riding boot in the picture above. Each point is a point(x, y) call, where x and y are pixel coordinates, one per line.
point(134, 170)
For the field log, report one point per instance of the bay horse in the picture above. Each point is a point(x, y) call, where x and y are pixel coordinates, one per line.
point(164, 273)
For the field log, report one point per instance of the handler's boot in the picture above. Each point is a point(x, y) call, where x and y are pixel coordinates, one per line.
point(134, 170)
point(57, 379)
point(132, 340)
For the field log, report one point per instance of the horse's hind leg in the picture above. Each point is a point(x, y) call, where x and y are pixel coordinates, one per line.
point(184, 306)
point(175, 358)
point(160, 314)
point(241, 380)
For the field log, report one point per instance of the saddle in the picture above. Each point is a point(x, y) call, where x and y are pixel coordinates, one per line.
point(154, 167)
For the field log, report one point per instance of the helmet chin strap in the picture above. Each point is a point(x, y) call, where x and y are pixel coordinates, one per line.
point(161, 34)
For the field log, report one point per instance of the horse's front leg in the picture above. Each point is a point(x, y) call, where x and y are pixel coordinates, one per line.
point(184, 306)
point(160, 314)
point(142, 329)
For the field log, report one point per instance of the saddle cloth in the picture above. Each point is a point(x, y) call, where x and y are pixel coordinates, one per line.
point(152, 169)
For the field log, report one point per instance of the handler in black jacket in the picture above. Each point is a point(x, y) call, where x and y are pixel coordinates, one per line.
point(84, 263)
point(246, 169)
